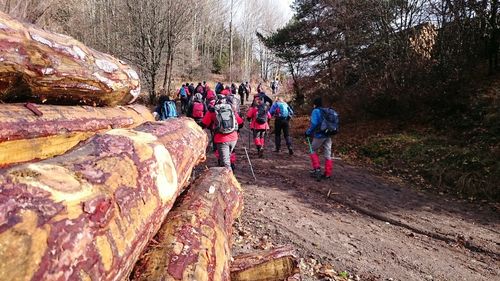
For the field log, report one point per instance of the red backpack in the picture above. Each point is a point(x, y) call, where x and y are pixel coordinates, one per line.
point(197, 110)
point(210, 95)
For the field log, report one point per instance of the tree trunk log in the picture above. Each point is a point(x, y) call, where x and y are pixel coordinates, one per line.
point(273, 265)
point(88, 214)
point(25, 136)
point(194, 241)
point(38, 66)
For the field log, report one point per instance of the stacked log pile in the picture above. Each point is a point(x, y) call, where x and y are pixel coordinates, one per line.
point(84, 189)
point(47, 130)
point(90, 212)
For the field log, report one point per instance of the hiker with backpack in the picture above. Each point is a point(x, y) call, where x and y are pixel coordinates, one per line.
point(273, 87)
point(199, 89)
point(282, 113)
point(191, 89)
point(204, 85)
point(183, 96)
point(225, 123)
point(165, 109)
point(263, 96)
point(197, 108)
point(226, 91)
point(210, 95)
point(258, 116)
point(234, 90)
point(259, 88)
point(218, 88)
point(242, 91)
point(235, 101)
point(324, 124)
point(248, 90)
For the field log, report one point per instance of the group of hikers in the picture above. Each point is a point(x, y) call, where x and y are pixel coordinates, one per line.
point(219, 111)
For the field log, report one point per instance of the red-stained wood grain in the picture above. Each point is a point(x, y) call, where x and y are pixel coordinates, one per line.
point(26, 136)
point(194, 241)
point(41, 66)
point(272, 265)
point(88, 214)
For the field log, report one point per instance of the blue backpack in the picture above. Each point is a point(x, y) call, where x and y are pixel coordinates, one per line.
point(330, 123)
point(168, 110)
point(182, 92)
point(283, 110)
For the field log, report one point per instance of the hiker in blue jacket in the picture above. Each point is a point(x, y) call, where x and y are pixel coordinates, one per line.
point(282, 113)
point(320, 140)
point(165, 109)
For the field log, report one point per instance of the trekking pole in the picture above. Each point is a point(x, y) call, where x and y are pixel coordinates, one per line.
point(250, 163)
point(310, 146)
point(249, 136)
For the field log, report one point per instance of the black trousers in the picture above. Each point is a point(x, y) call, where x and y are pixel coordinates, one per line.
point(242, 97)
point(282, 124)
point(184, 105)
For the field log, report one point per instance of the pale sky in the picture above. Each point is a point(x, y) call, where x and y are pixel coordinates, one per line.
point(286, 6)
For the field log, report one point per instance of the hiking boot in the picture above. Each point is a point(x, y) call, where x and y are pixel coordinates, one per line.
point(325, 177)
point(290, 151)
point(277, 150)
point(261, 153)
point(317, 174)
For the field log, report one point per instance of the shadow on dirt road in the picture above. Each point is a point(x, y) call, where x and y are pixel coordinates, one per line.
point(363, 223)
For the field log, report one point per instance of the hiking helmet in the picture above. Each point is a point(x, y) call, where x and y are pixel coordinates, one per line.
point(198, 97)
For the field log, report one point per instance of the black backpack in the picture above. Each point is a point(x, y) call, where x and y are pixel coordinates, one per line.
point(330, 123)
point(262, 113)
point(225, 119)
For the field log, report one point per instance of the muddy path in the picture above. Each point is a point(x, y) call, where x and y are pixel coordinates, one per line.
point(361, 222)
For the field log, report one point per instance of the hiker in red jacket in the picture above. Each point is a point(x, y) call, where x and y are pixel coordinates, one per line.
point(226, 92)
point(197, 108)
point(259, 117)
point(226, 124)
point(210, 94)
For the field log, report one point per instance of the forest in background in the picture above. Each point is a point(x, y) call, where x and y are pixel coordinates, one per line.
point(415, 81)
point(429, 68)
point(167, 40)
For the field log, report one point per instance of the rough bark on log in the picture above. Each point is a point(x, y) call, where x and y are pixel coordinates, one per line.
point(194, 241)
point(273, 265)
point(88, 214)
point(25, 136)
point(37, 66)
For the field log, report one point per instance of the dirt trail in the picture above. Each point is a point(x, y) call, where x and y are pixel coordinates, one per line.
point(368, 226)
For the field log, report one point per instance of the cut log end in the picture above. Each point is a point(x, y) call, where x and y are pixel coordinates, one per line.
point(272, 265)
point(194, 241)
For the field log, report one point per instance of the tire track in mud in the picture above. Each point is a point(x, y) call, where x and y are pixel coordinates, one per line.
point(467, 244)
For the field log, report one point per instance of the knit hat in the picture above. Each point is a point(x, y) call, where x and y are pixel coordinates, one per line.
point(318, 102)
